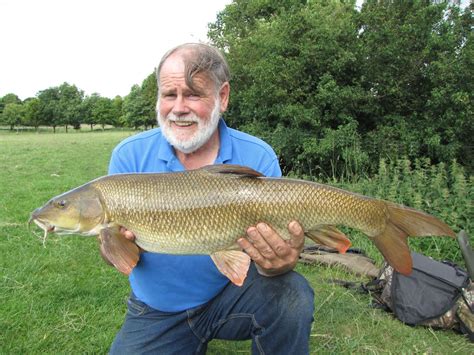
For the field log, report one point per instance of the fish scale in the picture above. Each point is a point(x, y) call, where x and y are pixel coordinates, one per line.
point(200, 213)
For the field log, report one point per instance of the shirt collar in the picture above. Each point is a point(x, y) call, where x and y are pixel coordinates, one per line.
point(167, 154)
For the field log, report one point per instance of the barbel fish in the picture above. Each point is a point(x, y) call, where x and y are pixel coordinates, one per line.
point(205, 211)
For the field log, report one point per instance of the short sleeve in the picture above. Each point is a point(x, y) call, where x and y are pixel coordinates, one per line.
point(273, 169)
point(116, 164)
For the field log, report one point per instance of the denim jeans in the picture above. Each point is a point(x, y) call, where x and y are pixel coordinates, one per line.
point(275, 312)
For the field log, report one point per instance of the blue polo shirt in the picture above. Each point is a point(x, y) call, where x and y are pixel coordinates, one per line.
point(173, 283)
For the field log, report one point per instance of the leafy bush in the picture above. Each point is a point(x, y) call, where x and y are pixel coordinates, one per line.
point(442, 190)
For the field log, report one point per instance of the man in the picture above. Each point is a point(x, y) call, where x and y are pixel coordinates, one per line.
point(179, 303)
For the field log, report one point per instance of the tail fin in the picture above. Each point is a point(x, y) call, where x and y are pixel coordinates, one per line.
point(403, 222)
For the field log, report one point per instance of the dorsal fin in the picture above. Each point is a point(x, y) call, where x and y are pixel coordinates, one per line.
point(233, 169)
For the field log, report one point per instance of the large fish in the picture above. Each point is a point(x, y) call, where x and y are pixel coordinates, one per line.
point(205, 211)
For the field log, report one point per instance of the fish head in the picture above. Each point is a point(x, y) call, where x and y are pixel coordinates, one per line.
point(76, 211)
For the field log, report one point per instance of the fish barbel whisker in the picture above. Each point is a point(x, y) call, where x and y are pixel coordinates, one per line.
point(43, 227)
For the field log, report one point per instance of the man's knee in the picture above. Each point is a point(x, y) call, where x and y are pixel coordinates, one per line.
point(298, 298)
point(292, 297)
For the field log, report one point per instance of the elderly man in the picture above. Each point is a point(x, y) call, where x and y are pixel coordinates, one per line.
point(179, 303)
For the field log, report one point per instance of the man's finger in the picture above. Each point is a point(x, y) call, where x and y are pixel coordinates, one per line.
point(250, 250)
point(297, 235)
point(259, 242)
point(277, 244)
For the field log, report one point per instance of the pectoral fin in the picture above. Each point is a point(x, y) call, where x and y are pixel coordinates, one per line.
point(331, 237)
point(118, 251)
point(233, 264)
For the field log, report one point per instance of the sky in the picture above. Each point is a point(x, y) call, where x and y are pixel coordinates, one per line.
point(102, 46)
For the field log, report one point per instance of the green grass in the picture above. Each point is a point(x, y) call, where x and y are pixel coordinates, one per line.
point(62, 298)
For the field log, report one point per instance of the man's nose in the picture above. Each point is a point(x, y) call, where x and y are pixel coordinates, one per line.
point(180, 106)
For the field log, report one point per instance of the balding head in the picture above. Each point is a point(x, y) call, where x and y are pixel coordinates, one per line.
point(199, 58)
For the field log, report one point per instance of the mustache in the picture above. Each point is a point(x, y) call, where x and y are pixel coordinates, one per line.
point(188, 118)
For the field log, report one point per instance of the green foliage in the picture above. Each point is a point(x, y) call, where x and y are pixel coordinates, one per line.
point(65, 105)
point(392, 80)
point(32, 115)
point(12, 115)
point(88, 105)
point(292, 76)
point(139, 106)
point(70, 105)
point(419, 71)
point(117, 104)
point(50, 111)
point(8, 99)
point(149, 93)
point(134, 108)
point(104, 112)
point(443, 190)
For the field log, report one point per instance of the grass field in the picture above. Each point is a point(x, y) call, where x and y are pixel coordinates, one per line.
point(62, 298)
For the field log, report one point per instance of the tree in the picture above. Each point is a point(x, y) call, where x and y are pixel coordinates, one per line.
point(8, 99)
point(117, 104)
point(12, 115)
point(88, 105)
point(134, 108)
point(49, 111)
point(70, 105)
point(149, 93)
point(417, 64)
point(293, 66)
point(33, 113)
point(317, 79)
point(449, 109)
point(104, 112)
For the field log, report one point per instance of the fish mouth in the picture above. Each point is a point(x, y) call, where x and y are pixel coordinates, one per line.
point(45, 226)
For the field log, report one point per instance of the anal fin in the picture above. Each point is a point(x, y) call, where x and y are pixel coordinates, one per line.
point(330, 236)
point(232, 263)
point(118, 251)
point(392, 243)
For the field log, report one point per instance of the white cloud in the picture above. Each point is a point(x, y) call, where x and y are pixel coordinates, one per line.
point(103, 46)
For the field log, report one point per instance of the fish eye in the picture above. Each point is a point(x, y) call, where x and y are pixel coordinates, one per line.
point(61, 203)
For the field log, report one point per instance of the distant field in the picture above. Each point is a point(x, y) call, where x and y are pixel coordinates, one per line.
point(62, 298)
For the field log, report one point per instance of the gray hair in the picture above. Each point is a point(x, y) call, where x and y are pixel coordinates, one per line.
point(199, 58)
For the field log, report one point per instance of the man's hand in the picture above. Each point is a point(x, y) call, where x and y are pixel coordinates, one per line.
point(272, 254)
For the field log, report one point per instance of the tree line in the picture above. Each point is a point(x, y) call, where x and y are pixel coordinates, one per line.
point(66, 105)
point(332, 88)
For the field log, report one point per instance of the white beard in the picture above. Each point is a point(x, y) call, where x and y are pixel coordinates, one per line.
point(205, 129)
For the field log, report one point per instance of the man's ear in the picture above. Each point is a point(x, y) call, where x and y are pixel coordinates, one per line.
point(224, 93)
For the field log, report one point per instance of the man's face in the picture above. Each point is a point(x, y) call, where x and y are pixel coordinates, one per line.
point(188, 118)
